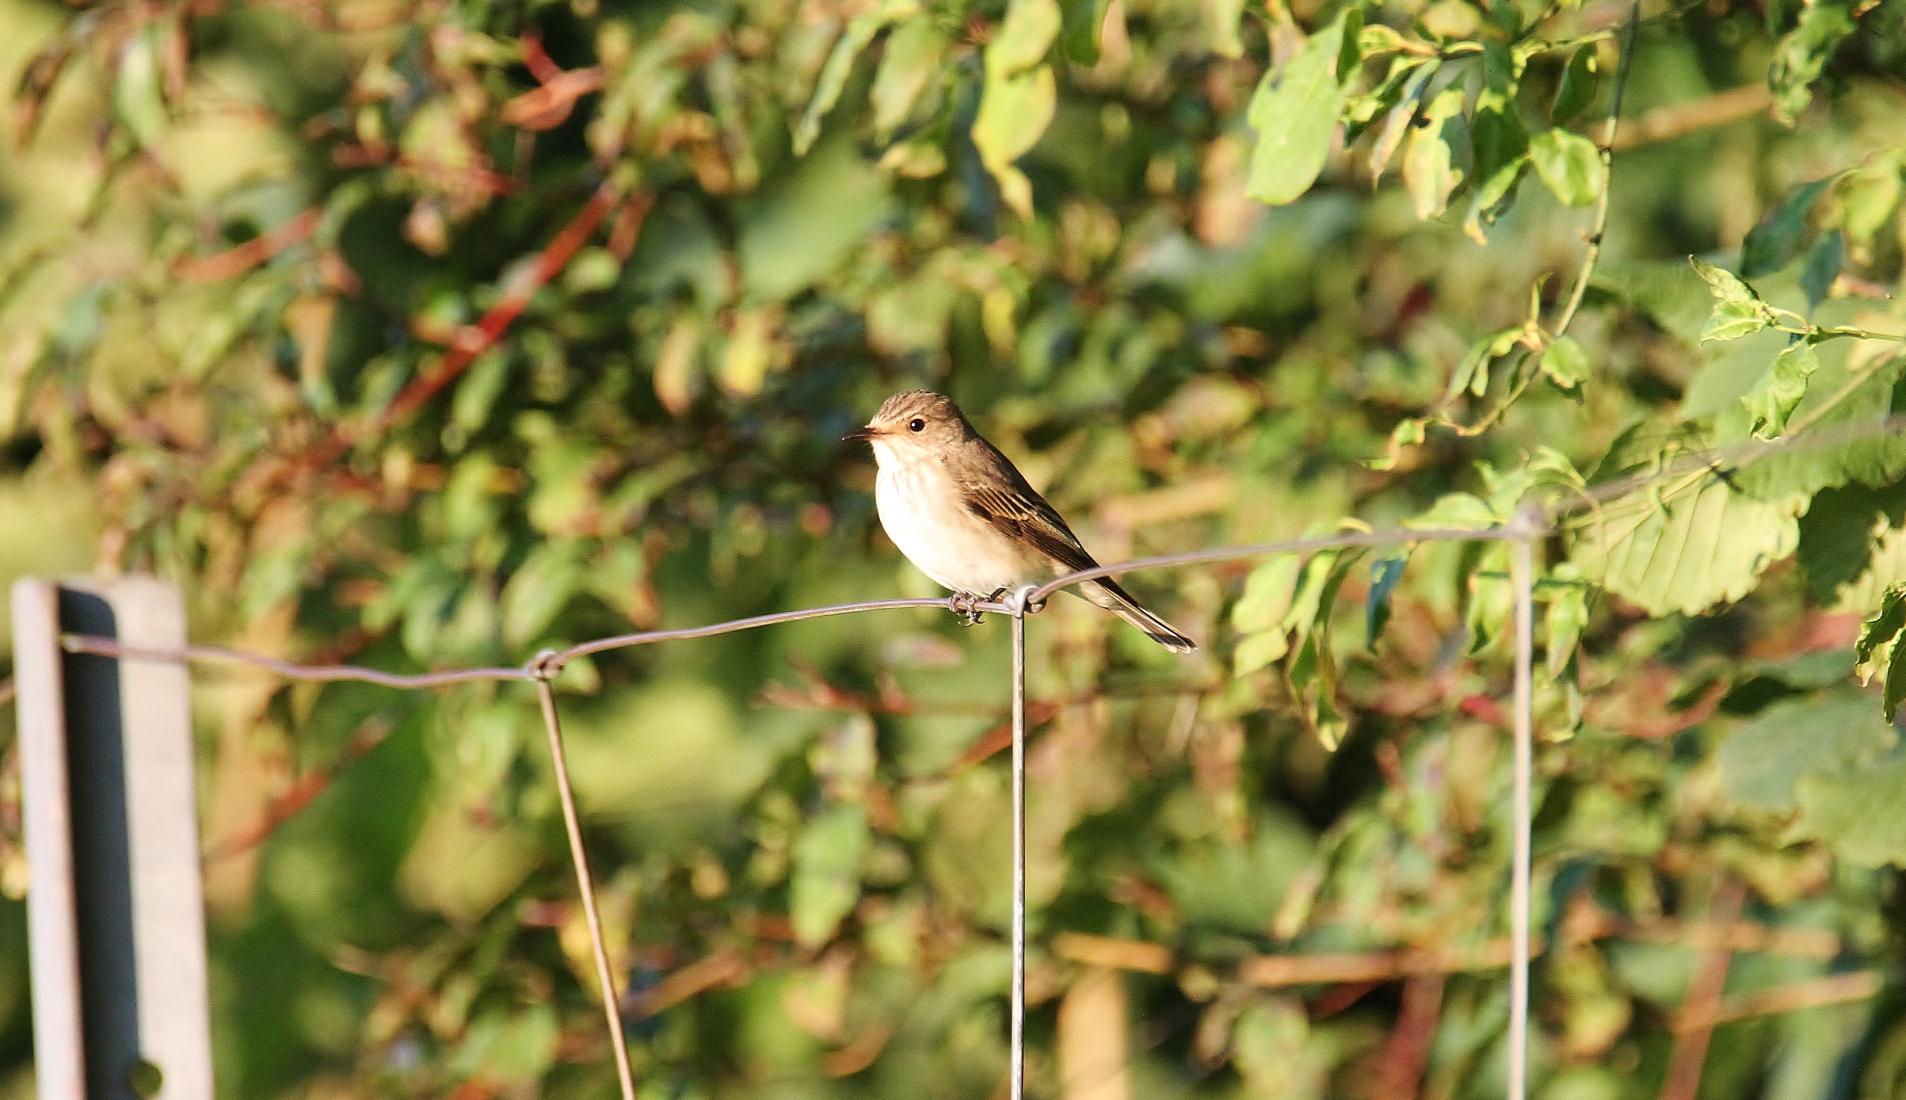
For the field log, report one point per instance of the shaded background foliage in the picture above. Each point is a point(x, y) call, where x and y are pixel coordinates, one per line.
point(429, 334)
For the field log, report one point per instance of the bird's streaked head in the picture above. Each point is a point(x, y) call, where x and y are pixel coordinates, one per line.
point(913, 423)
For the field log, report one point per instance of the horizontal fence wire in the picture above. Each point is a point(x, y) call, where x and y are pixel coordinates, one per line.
point(1522, 532)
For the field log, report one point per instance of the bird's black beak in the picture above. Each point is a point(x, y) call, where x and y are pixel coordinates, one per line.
point(859, 433)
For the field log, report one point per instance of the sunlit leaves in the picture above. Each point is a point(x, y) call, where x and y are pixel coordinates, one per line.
point(1879, 645)
point(1019, 98)
point(1414, 74)
point(1763, 762)
point(1738, 311)
point(1569, 165)
point(1259, 615)
point(1802, 55)
point(1564, 363)
point(910, 62)
point(1565, 618)
point(1294, 112)
point(859, 31)
point(1699, 543)
point(1576, 91)
point(1867, 197)
point(1858, 812)
point(1499, 141)
point(825, 882)
point(1472, 373)
point(138, 94)
point(1773, 398)
point(1431, 171)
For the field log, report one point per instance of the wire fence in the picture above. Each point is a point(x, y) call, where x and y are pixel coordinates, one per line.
point(545, 667)
point(1522, 533)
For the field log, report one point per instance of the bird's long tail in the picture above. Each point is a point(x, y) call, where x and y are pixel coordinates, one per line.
point(1106, 593)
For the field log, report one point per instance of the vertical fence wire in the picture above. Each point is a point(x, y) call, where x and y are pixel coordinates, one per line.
point(1017, 1073)
point(1521, 577)
point(585, 883)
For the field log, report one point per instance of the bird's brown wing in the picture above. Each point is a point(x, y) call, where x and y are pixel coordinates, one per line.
point(1005, 501)
point(1015, 508)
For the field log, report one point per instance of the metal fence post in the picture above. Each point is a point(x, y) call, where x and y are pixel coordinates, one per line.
point(1017, 1084)
point(116, 925)
point(1522, 577)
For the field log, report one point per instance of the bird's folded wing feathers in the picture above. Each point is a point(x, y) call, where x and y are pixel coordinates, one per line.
point(1021, 513)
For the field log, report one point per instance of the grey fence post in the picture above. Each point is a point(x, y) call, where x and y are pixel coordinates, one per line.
point(115, 911)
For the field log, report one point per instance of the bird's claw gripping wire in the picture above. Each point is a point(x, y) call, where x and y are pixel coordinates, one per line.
point(964, 605)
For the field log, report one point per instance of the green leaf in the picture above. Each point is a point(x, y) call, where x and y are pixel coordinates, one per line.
point(1396, 123)
point(1221, 19)
point(138, 91)
point(1023, 37)
point(539, 590)
point(1019, 97)
point(1259, 613)
point(1777, 238)
point(1802, 55)
point(1867, 198)
point(1455, 512)
point(1565, 363)
point(1763, 762)
point(910, 61)
point(1499, 144)
point(1384, 575)
point(1822, 268)
point(1702, 546)
point(1570, 165)
point(859, 31)
point(1577, 88)
point(1315, 665)
point(1473, 372)
point(1491, 200)
point(1895, 690)
point(1854, 405)
point(1407, 433)
point(1566, 617)
point(1860, 814)
point(1773, 398)
point(1738, 311)
point(1275, 1052)
point(1431, 172)
point(1838, 548)
point(1879, 632)
point(1083, 23)
point(515, 1045)
point(1294, 112)
point(824, 885)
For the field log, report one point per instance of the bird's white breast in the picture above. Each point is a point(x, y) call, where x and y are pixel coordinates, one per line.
point(923, 513)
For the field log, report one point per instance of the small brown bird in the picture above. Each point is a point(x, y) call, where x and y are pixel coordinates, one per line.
point(959, 511)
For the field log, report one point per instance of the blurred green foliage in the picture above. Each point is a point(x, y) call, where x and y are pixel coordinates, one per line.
point(422, 335)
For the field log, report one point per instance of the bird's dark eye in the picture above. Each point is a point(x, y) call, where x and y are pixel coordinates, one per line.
point(916, 425)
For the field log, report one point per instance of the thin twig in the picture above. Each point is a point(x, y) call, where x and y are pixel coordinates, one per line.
point(1397, 963)
point(1675, 120)
point(301, 793)
point(1599, 226)
point(1833, 989)
point(605, 979)
point(1592, 255)
point(1702, 1006)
